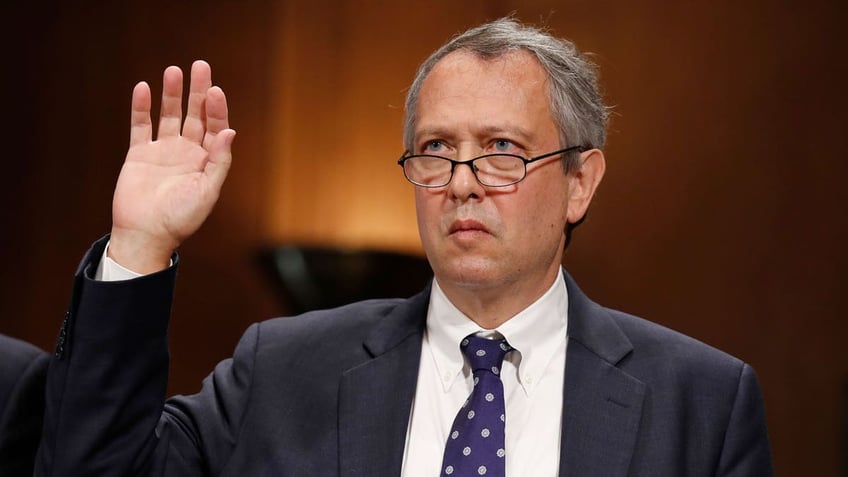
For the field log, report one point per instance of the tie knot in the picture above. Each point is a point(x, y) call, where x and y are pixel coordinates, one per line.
point(484, 354)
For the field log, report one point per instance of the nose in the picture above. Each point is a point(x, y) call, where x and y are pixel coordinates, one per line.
point(464, 185)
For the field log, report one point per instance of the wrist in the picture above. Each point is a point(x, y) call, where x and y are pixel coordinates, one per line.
point(139, 251)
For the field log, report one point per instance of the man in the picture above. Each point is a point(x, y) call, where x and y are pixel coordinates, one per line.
point(23, 370)
point(504, 133)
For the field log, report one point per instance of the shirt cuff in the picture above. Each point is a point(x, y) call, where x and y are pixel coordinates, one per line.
point(109, 270)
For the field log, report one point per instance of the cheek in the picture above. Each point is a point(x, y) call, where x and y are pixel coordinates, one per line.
point(421, 201)
point(550, 208)
point(522, 217)
point(426, 210)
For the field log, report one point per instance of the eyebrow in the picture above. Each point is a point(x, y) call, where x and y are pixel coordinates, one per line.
point(515, 131)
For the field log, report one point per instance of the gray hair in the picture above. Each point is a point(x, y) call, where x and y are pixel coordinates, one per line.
point(575, 99)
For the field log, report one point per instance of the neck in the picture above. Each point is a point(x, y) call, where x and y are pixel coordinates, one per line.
point(492, 306)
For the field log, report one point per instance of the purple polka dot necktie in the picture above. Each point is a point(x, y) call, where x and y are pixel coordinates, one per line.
point(475, 445)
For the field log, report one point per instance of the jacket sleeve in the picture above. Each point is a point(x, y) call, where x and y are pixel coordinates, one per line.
point(746, 450)
point(106, 412)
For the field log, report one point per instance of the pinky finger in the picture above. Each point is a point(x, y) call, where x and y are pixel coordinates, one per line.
point(141, 129)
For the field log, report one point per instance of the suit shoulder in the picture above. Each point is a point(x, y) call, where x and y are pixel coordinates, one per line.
point(21, 365)
point(340, 326)
point(18, 352)
point(319, 341)
point(16, 357)
point(658, 347)
point(348, 317)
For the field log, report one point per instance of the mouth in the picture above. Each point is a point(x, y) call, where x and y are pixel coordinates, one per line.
point(467, 227)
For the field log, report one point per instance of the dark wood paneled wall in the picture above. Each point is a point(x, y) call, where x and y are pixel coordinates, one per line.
point(722, 214)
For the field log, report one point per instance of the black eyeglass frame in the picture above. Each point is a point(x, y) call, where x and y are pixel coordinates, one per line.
point(406, 156)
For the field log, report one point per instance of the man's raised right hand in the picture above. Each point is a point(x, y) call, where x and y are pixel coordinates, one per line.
point(168, 186)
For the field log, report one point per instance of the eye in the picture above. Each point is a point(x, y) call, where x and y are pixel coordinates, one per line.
point(433, 146)
point(504, 145)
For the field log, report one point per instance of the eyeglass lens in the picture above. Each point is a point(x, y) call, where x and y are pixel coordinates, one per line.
point(495, 170)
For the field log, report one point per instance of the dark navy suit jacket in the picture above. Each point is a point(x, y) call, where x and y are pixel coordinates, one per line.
point(330, 392)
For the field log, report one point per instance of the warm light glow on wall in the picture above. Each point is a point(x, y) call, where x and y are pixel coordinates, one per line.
point(335, 135)
point(334, 130)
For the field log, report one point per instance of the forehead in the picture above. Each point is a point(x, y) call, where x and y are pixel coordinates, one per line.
point(466, 90)
point(515, 70)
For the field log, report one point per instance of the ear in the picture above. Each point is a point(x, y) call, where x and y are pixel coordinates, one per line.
point(583, 182)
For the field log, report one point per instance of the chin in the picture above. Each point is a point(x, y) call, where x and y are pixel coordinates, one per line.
point(469, 273)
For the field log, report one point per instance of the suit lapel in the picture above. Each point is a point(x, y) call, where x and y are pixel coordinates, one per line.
point(375, 398)
point(602, 405)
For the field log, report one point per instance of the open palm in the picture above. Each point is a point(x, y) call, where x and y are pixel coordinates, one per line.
point(168, 186)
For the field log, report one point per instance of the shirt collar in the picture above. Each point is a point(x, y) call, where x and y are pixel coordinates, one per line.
point(535, 332)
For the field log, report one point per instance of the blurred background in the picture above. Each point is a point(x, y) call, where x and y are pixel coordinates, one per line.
point(722, 215)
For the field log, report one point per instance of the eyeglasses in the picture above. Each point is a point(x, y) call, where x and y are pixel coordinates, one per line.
point(491, 170)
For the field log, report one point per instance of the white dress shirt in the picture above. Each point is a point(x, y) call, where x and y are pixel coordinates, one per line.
point(109, 270)
point(532, 377)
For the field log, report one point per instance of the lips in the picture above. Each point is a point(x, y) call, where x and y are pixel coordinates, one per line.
point(467, 225)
